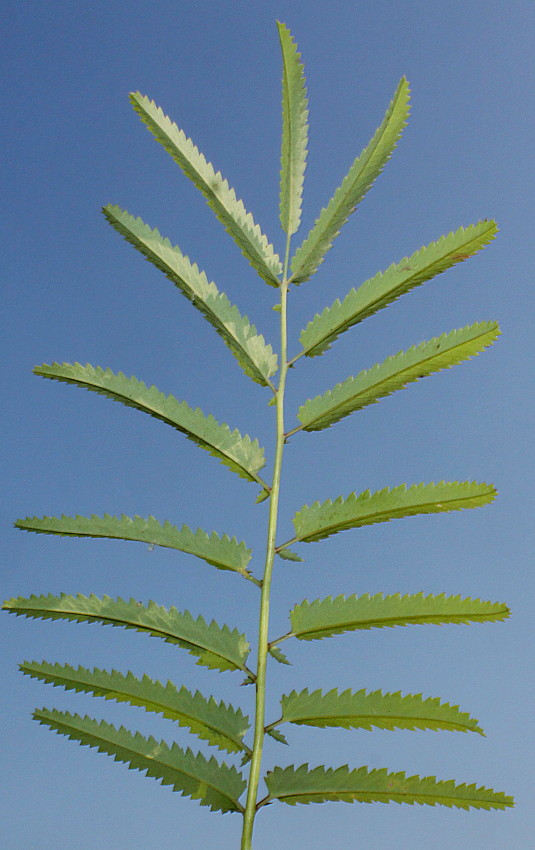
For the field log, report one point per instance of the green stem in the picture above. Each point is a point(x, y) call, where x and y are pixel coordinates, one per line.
point(259, 733)
point(293, 431)
point(295, 359)
point(279, 640)
point(273, 725)
point(290, 542)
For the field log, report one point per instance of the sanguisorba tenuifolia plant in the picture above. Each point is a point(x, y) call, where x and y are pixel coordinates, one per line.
point(211, 782)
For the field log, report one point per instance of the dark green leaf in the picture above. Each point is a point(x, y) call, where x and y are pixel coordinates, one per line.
point(212, 784)
point(221, 725)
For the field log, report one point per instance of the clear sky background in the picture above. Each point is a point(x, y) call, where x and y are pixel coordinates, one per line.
point(73, 290)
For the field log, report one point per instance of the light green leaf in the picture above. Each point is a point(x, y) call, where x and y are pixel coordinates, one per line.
point(356, 183)
point(321, 520)
point(362, 710)
point(224, 552)
point(336, 615)
point(216, 647)
point(221, 725)
point(395, 373)
point(300, 785)
point(220, 197)
point(241, 454)
point(294, 132)
point(215, 785)
point(385, 287)
point(256, 358)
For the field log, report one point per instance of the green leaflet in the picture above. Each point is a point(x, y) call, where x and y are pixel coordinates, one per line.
point(395, 373)
point(256, 358)
point(354, 186)
point(220, 197)
point(241, 454)
point(294, 133)
point(362, 710)
point(224, 552)
point(335, 615)
point(288, 555)
point(216, 647)
point(277, 736)
point(263, 495)
point(279, 656)
point(301, 785)
point(385, 287)
point(221, 725)
point(321, 520)
point(215, 785)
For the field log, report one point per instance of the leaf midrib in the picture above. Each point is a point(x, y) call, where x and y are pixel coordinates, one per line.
point(293, 198)
point(375, 719)
point(388, 795)
point(349, 625)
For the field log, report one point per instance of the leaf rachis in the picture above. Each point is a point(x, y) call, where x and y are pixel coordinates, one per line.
point(218, 647)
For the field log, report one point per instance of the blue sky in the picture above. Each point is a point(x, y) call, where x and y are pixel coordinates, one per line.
point(73, 290)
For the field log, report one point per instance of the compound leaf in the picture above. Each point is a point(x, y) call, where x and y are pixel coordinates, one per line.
point(335, 615)
point(385, 287)
point(300, 785)
point(241, 454)
point(294, 132)
point(216, 647)
point(395, 373)
point(362, 710)
point(220, 197)
point(256, 358)
point(321, 520)
point(224, 552)
point(356, 183)
point(221, 725)
point(215, 785)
